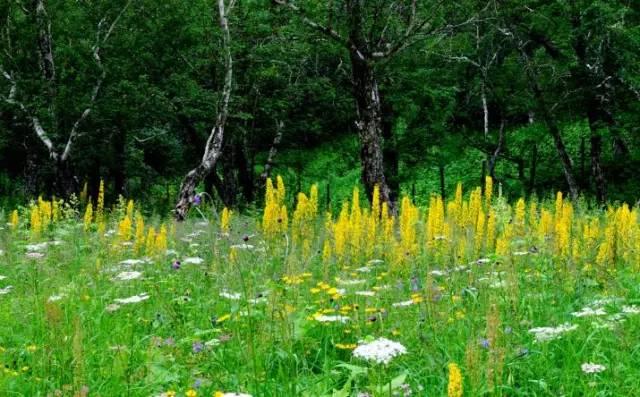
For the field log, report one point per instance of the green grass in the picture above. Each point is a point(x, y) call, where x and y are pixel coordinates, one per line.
point(478, 316)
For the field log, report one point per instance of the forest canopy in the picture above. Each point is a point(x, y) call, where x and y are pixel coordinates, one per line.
point(412, 96)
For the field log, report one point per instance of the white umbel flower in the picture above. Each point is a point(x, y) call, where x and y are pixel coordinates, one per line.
point(126, 276)
point(322, 318)
point(133, 299)
point(193, 260)
point(403, 303)
point(543, 334)
point(380, 351)
point(234, 296)
point(633, 309)
point(591, 368)
point(588, 312)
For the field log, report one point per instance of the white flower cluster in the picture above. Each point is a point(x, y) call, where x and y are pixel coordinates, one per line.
point(5, 290)
point(543, 334)
point(380, 351)
point(133, 299)
point(331, 319)
point(633, 309)
point(234, 296)
point(588, 312)
point(126, 276)
point(403, 303)
point(591, 368)
point(193, 261)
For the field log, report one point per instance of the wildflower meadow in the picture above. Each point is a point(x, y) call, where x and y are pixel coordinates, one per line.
point(476, 296)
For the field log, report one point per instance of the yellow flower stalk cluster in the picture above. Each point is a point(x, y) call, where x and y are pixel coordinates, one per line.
point(225, 220)
point(467, 227)
point(14, 219)
point(88, 216)
point(274, 218)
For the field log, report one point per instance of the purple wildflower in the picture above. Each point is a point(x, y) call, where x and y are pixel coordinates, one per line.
point(485, 343)
point(197, 199)
point(175, 265)
point(197, 347)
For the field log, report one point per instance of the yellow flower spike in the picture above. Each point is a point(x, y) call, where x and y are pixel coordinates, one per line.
point(88, 216)
point(225, 220)
point(14, 220)
point(191, 393)
point(454, 388)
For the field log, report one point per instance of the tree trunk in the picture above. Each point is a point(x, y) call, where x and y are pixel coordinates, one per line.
point(549, 120)
point(120, 148)
point(534, 166)
point(213, 147)
point(369, 126)
point(390, 152)
point(187, 190)
point(442, 182)
point(65, 182)
point(554, 130)
point(494, 157)
point(595, 140)
point(245, 175)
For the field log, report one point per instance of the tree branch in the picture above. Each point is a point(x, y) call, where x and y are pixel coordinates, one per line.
point(321, 28)
point(73, 134)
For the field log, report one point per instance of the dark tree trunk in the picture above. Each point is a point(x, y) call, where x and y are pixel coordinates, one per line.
point(245, 175)
point(554, 130)
point(534, 166)
point(65, 182)
point(120, 149)
point(597, 173)
point(443, 193)
point(229, 177)
point(369, 126)
point(390, 152)
point(583, 172)
point(494, 157)
point(31, 174)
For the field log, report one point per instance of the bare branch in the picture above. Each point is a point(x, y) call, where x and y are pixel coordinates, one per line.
point(417, 33)
point(100, 41)
point(324, 29)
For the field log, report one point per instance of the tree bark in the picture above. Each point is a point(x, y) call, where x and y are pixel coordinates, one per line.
point(596, 162)
point(213, 147)
point(390, 153)
point(369, 127)
point(534, 166)
point(272, 153)
point(442, 181)
point(552, 126)
point(494, 157)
